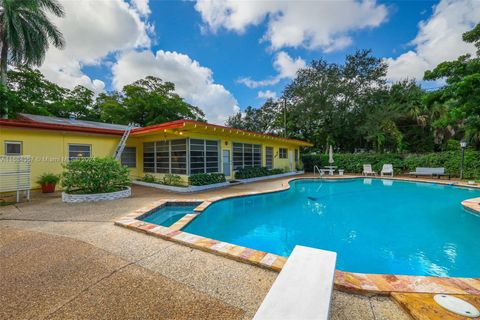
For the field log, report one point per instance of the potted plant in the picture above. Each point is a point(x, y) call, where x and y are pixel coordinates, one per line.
point(48, 181)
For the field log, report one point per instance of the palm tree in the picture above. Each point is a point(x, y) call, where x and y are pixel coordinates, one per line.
point(26, 32)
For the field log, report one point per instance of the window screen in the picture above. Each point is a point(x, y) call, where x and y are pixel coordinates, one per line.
point(79, 151)
point(149, 157)
point(204, 156)
point(165, 156)
point(269, 157)
point(129, 157)
point(246, 155)
point(13, 148)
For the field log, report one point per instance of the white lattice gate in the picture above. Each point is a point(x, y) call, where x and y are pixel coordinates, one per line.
point(15, 174)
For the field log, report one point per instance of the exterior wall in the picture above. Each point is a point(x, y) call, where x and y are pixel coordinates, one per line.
point(226, 143)
point(49, 149)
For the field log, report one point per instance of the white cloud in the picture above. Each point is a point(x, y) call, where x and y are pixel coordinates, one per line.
point(92, 30)
point(192, 81)
point(267, 94)
point(311, 24)
point(285, 66)
point(142, 7)
point(439, 39)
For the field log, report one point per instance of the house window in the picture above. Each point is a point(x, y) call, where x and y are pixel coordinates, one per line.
point(162, 157)
point(246, 155)
point(165, 156)
point(79, 151)
point(178, 156)
point(129, 157)
point(282, 153)
point(296, 155)
point(13, 148)
point(149, 157)
point(269, 157)
point(204, 156)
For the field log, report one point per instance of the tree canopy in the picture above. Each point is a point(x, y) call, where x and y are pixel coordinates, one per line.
point(352, 106)
point(145, 102)
point(458, 102)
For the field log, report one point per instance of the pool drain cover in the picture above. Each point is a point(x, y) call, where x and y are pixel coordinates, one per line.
point(456, 305)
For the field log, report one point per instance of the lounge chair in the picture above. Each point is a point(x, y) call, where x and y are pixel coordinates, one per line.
point(429, 172)
point(387, 169)
point(367, 169)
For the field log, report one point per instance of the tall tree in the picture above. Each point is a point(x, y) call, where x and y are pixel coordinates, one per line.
point(460, 97)
point(148, 101)
point(26, 32)
point(264, 119)
point(34, 94)
point(327, 101)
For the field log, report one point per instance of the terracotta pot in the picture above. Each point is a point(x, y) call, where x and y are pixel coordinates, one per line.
point(48, 187)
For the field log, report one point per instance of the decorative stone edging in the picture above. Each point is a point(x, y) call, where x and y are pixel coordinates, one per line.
point(346, 281)
point(172, 233)
point(472, 205)
point(93, 197)
point(275, 176)
point(188, 189)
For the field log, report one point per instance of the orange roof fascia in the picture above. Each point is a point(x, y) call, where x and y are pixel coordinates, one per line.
point(136, 131)
point(182, 123)
point(57, 127)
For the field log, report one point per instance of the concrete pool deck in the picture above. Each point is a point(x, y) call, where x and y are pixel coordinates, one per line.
point(70, 261)
point(346, 281)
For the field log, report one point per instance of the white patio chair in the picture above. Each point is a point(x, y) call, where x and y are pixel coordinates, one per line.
point(387, 169)
point(367, 170)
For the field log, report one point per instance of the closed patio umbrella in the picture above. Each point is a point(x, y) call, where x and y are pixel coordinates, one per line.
point(330, 155)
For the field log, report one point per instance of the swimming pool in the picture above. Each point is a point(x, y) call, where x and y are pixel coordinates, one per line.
point(375, 225)
point(169, 213)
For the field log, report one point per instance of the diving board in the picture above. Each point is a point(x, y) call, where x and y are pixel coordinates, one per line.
point(303, 289)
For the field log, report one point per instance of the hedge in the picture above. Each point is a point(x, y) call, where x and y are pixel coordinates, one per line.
point(254, 172)
point(95, 175)
point(402, 163)
point(202, 179)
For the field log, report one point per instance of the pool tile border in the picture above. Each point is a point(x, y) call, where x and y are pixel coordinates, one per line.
point(370, 284)
point(472, 205)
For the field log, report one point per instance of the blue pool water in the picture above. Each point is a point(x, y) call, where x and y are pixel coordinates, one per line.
point(375, 226)
point(169, 214)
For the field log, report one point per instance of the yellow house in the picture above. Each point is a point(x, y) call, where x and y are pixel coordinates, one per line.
point(181, 147)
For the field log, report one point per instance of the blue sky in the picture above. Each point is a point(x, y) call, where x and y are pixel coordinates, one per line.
point(207, 47)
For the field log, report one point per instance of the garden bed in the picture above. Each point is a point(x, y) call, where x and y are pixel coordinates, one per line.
point(187, 189)
point(274, 176)
point(93, 197)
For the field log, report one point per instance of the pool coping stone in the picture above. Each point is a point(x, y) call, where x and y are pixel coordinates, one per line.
point(361, 283)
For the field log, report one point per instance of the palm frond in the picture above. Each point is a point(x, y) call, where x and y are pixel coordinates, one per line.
point(28, 31)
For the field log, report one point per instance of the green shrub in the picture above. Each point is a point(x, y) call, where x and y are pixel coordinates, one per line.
point(202, 179)
point(148, 178)
point(95, 175)
point(48, 178)
point(353, 162)
point(450, 160)
point(254, 172)
point(402, 163)
point(172, 180)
